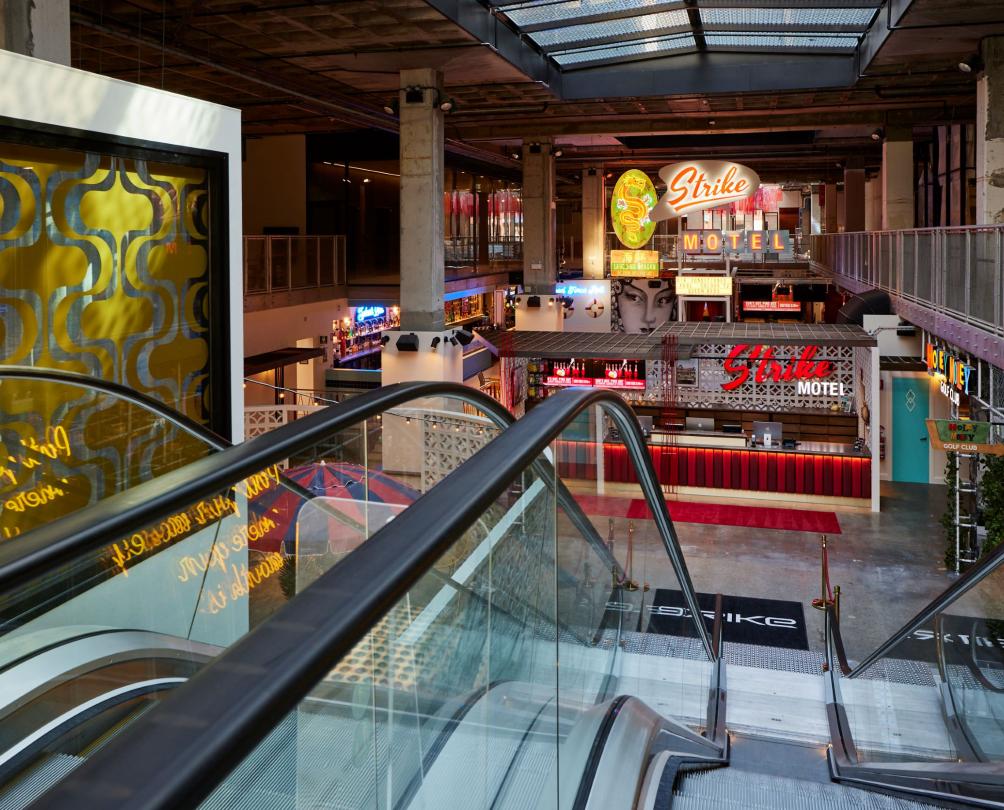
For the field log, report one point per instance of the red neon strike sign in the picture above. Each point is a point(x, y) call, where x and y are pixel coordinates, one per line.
point(769, 368)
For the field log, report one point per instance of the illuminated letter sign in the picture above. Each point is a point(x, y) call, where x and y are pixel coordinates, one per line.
point(707, 286)
point(634, 263)
point(365, 313)
point(694, 186)
point(632, 200)
point(804, 370)
point(954, 371)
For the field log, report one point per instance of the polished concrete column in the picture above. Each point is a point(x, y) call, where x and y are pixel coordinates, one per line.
point(816, 211)
point(39, 28)
point(830, 208)
point(873, 204)
point(990, 134)
point(539, 231)
point(422, 260)
point(854, 195)
point(594, 211)
point(897, 180)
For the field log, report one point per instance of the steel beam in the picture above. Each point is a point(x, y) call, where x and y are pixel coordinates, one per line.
point(709, 73)
point(885, 23)
point(489, 29)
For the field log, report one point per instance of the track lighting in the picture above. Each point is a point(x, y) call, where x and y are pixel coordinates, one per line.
point(446, 104)
point(557, 152)
point(436, 341)
point(393, 108)
point(515, 155)
point(878, 134)
point(385, 340)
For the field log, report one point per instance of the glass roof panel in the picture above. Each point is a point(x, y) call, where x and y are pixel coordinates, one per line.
point(654, 46)
point(614, 28)
point(802, 41)
point(570, 11)
point(781, 17)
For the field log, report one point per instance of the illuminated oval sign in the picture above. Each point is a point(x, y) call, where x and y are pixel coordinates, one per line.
point(633, 199)
point(695, 185)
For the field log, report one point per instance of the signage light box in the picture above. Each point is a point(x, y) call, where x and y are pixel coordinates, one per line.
point(634, 263)
point(704, 286)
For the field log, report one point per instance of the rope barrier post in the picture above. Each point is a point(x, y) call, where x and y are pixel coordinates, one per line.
point(836, 602)
point(825, 592)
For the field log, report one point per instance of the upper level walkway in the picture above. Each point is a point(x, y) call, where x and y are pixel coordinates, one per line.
point(945, 280)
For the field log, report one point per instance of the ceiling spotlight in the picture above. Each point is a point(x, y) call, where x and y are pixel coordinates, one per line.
point(550, 302)
point(711, 122)
point(558, 152)
point(453, 341)
point(366, 180)
point(392, 108)
point(436, 341)
point(385, 340)
point(446, 104)
point(609, 175)
point(971, 65)
point(515, 155)
point(877, 134)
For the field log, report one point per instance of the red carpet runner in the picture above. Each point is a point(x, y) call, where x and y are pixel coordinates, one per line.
point(755, 517)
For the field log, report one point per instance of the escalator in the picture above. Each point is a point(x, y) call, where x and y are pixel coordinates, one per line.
point(488, 646)
point(487, 629)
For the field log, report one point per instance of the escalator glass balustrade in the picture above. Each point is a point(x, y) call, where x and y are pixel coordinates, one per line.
point(89, 644)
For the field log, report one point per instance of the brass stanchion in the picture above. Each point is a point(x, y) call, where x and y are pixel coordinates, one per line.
point(825, 593)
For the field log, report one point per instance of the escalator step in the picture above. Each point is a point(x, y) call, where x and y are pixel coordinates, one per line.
point(731, 789)
point(37, 780)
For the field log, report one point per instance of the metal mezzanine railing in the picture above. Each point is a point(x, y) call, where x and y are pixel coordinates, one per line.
point(955, 272)
point(283, 263)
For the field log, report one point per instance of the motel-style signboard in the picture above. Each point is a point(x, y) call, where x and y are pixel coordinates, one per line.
point(962, 436)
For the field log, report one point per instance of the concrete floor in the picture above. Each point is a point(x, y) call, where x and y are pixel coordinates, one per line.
point(889, 565)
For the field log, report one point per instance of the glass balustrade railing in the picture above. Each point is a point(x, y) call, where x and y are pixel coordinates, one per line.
point(926, 710)
point(67, 442)
point(489, 681)
point(148, 608)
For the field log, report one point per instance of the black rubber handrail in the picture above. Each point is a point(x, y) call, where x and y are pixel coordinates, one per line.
point(118, 391)
point(177, 754)
point(973, 577)
point(838, 639)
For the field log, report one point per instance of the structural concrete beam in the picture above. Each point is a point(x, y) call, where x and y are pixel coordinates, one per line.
point(990, 135)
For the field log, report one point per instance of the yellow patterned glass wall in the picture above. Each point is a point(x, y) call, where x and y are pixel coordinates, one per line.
point(104, 270)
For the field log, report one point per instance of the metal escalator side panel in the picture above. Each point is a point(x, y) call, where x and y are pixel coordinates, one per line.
point(623, 750)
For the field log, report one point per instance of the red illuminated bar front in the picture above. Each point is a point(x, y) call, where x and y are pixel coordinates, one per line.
point(820, 474)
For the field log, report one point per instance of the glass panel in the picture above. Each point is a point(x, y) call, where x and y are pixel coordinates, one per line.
point(280, 262)
point(66, 446)
point(304, 272)
point(809, 41)
point(781, 17)
point(643, 47)
point(255, 259)
point(973, 640)
point(326, 249)
point(575, 10)
point(106, 268)
point(620, 558)
point(171, 595)
point(450, 701)
point(484, 685)
point(614, 28)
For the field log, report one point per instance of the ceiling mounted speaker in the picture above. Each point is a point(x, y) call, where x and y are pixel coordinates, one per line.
point(533, 301)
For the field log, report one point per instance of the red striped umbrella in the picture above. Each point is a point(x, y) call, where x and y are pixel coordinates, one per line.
point(349, 492)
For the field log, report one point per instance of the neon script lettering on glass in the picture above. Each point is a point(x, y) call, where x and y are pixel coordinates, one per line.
point(769, 368)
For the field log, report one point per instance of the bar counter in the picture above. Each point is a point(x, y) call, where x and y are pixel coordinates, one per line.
point(820, 469)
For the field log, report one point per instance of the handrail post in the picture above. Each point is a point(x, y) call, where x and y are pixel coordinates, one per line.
point(268, 264)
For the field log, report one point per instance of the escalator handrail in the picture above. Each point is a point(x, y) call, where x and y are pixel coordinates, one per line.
point(969, 580)
point(178, 753)
point(40, 550)
point(118, 391)
point(838, 640)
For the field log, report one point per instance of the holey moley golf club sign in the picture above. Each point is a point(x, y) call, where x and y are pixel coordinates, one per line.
point(694, 185)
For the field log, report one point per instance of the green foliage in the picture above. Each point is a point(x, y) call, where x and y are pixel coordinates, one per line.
point(949, 518)
point(992, 495)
